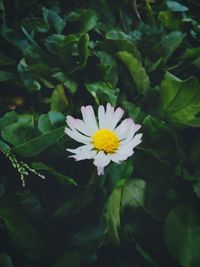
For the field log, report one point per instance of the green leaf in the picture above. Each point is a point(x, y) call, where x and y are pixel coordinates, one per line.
point(31, 244)
point(113, 46)
point(119, 41)
point(5, 60)
point(195, 154)
point(145, 256)
point(56, 118)
point(20, 130)
point(61, 177)
point(44, 124)
point(83, 49)
point(182, 235)
point(180, 100)
point(2, 190)
point(113, 214)
point(71, 258)
point(158, 138)
point(39, 144)
point(196, 188)
point(170, 43)
point(86, 21)
point(12, 117)
point(69, 84)
point(27, 78)
point(134, 111)
point(103, 92)
point(133, 194)
point(5, 76)
point(53, 20)
point(176, 6)
point(136, 71)
point(5, 260)
point(59, 100)
point(169, 20)
point(4, 147)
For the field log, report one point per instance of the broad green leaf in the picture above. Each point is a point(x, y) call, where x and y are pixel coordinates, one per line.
point(158, 138)
point(83, 49)
point(70, 85)
point(65, 47)
point(182, 235)
point(22, 233)
point(5, 260)
point(20, 130)
point(86, 21)
point(83, 52)
point(5, 76)
point(12, 117)
point(119, 41)
point(4, 147)
point(56, 118)
point(196, 63)
point(18, 133)
point(40, 143)
point(176, 6)
point(134, 111)
point(113, 214)
point(152, 166)
point(191, 53)
point(44, 124)
point(170, 43)
point(169, 20)
point(103, 92)
point(118, 35)
point(59, 101)
point(53, 20)
point(111, 73)
point(133, 193)
point(195, 154)
point(113, 46)
point(145, 256)
point(2, 190)
point(61, 177)
point(180, 100)
point(71, 258)
point(5, 60)
point(196, 188)
point(31, 205)
point(136, 71)
point(27, 78)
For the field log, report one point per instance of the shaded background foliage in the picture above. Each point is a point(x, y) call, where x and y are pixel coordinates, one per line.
point(58, 55)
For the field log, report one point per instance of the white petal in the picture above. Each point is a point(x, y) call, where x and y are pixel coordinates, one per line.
point(118, 114)
point(133, 143)
point(108, 116)
point(84, 155)
point(134, 128)
point(121, 156)
point(100, 170)
point(81, 149)
point(78, 124)
point(77, 136)
point(123, 129)
point(101, 159)
point(89, 118)
point(101, 116)
point(126, 150)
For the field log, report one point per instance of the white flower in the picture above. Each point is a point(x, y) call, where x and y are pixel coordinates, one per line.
point(103, 140)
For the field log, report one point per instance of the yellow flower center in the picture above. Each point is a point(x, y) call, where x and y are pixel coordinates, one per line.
point(105, 140)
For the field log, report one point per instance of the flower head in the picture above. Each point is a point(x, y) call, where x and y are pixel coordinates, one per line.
point(103, 140)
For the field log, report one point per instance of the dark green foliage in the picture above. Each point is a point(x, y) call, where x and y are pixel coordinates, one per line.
point(56, 56)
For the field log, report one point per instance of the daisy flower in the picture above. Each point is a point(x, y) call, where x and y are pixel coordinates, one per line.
point(103, 140)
